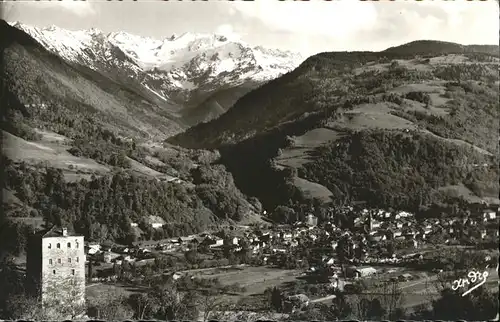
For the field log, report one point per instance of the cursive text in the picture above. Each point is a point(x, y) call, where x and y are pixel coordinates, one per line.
point(472, 277)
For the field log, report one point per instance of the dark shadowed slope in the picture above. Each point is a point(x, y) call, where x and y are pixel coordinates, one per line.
point(217, 104)
point(34, 75)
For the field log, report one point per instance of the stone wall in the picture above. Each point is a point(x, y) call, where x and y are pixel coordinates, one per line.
point(63, 270)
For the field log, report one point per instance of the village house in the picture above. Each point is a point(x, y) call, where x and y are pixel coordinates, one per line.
point(312, 220)
point(108, 257)
point(155, 221)
point(405, 214)
point(375, 224)
point(287, 236)
point(126, 258)
point(358, 272)
point(489, 214)
point(217, 242)
point(397, 234)
point(421, 235)
point(328, 260)
point(92, 248)
point(409, 233)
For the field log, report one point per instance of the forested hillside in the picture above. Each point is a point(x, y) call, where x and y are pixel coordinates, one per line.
point(75, 152)
point(407, 127)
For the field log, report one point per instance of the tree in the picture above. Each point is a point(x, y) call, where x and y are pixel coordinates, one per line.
point(375, 310)
point(191, 257)
point(284, 214)
point(23, 307)
point(209, 303)
point(167, 303)
point(275, 298)
point(480, 305)
point(341, 307)
point(110, 306)
point(392, 299)
point(142, 304)
point(245, 252)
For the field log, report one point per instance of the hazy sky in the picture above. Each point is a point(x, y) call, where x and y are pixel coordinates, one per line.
point(307, 27)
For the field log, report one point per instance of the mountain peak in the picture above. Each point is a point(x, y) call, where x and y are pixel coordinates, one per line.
point(176, 66)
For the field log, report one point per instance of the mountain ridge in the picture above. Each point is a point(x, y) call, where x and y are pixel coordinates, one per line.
point(179, 73)
point(313, 64)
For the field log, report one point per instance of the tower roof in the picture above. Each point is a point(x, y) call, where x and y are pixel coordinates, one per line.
point(56, 231)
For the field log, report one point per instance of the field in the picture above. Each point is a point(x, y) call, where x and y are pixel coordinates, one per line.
point(464, 192)
point(94, 291)
point(254, 279)
point(51, 149)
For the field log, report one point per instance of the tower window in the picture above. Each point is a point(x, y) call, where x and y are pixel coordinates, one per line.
point(58, 245)
point(50, 261)
point(69, 245)
point(59, 260)
point(54, 271)
point(77, 260)
point(72, 272)
point(50, 245)
point(77, 244)
point(69, 260)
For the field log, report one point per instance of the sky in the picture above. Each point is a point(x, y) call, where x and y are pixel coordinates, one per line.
point(305, 27)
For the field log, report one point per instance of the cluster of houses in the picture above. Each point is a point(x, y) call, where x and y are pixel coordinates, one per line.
point(117, 254)
point(370, 227)
point(383, 225)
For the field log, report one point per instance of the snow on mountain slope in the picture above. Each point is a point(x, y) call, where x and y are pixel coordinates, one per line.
point(182, 69)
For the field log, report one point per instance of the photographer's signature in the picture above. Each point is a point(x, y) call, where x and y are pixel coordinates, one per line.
point(472, 277)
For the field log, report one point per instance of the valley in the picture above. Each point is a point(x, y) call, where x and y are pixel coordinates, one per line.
point(210, 176)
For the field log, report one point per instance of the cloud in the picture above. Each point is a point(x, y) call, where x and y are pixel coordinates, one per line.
point(336, 19)
point(224, 29)
point(366, 25)
point(228, 31)
point(80, 8)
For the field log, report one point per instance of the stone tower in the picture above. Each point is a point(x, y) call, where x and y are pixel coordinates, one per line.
point(55, 268)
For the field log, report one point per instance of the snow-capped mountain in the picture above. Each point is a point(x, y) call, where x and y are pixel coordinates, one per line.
point(182, 69)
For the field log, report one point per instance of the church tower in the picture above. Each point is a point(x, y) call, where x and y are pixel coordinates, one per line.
point(55, 268)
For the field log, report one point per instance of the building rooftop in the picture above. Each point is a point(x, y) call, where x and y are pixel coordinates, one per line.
point(155, 220)
point(56, 231)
